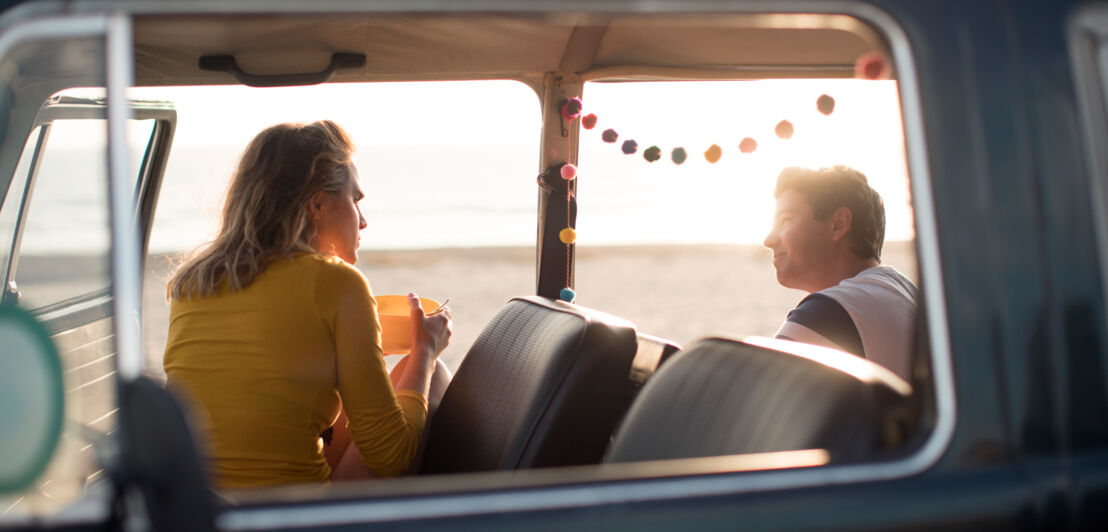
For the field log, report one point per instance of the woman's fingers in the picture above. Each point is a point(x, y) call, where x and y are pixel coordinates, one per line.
point(437, 330)
point(430, 331)
point(414, 305)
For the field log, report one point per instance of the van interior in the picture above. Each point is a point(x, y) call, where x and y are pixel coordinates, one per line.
point(653, 364)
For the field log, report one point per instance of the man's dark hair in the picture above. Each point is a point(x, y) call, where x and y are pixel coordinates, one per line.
point(827, 189)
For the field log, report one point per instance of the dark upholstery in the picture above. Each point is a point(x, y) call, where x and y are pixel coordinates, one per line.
point(163, 461)
point(652, 353)
point(723, 397)
point(544, 385)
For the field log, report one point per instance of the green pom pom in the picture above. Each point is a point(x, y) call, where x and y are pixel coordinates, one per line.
point(679, 155)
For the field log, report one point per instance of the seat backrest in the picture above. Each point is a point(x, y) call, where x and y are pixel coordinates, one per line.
point(721, 397)
point(545, 384)
point(163, 460)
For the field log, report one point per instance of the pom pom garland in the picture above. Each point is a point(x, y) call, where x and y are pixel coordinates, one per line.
point(567, 235)
point(679, 155)
point(784, 129)
point(868, 65)
point(567, 294)
point(571, 109)
point(713, 154)
point(568, 171)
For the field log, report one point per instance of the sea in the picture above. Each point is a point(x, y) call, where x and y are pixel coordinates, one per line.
point(420, 197)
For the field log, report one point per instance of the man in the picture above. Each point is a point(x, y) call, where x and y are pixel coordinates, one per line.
point(828, 230)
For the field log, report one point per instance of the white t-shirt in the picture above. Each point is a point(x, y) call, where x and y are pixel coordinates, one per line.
point(872, 315)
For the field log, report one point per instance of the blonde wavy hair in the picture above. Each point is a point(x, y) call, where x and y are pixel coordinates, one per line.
point(266, 216)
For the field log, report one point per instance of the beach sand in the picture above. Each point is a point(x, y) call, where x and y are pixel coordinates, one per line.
point(676, 292)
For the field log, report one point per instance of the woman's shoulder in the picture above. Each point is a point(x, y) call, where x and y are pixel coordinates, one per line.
point(328, 269)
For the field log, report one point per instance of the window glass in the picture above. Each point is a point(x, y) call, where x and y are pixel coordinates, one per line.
point(67, 216)
point(13, 200)
point(450, 196)
point(700, 223)
point(66, 226)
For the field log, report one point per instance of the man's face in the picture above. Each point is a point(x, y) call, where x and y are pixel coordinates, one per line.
point(801, 244)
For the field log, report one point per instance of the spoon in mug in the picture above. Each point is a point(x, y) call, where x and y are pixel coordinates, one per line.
point(441, 308)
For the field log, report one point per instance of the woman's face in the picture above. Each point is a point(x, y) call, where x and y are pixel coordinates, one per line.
point(339, 220)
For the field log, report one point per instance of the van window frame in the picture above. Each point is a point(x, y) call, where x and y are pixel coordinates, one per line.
point(578, 487)
point(644, 482)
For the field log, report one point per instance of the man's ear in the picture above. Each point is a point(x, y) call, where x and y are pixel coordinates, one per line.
point(841, 221)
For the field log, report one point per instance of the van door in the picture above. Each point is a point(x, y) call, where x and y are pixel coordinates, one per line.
point(56, 241)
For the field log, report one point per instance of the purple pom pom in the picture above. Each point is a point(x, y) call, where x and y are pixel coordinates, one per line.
point(572, 108)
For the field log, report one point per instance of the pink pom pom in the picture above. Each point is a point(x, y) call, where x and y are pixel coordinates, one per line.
point(569, 171)
point(784, 130)
point(873, 65)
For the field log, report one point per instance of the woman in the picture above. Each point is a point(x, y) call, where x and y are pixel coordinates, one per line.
point(273, 332)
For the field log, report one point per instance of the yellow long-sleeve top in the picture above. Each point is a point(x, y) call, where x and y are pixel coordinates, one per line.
point(269, 367)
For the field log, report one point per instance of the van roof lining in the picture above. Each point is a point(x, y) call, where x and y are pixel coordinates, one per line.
point(421, 47)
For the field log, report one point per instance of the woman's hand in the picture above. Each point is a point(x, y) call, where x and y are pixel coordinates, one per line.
point(430, 334)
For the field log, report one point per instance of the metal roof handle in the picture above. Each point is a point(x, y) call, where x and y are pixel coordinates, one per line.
point(227, 63)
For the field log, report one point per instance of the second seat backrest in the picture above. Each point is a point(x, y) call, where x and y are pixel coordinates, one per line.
point(544, 385)
point(723, 397)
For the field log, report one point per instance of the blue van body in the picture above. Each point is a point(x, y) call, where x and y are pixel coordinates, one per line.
point(1021, 243)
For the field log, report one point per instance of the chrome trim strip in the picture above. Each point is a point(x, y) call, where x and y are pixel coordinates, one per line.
point(126, 259)
point(27, 194)
point(1088, 25)
point(639, 490)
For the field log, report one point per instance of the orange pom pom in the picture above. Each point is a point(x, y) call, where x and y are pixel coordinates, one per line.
point(713, 154)
point(567, 235)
